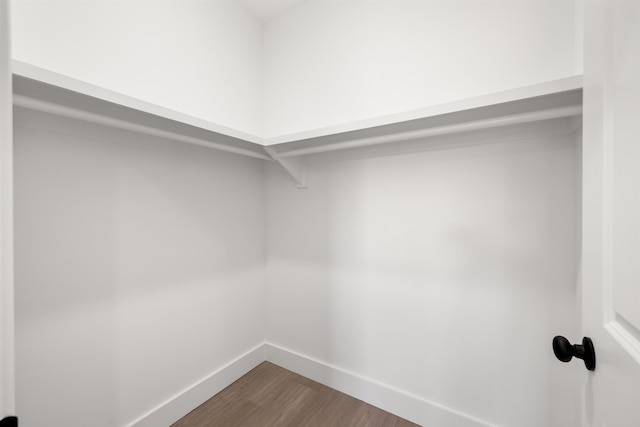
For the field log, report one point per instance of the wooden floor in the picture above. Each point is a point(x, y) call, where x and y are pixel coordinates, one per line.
point(272, 396)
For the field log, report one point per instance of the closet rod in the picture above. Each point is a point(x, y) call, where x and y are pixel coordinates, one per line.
point(47, 107)
point(554, 113)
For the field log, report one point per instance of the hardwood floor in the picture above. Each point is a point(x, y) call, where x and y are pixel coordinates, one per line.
point(272, 396)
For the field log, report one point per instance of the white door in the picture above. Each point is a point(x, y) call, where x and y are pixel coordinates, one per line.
point(7, 394)
point(611, 212)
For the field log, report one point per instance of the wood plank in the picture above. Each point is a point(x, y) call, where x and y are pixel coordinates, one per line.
point(273, 396)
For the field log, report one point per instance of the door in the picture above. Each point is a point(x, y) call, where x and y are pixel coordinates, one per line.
point(611, 212)
point(7, 393)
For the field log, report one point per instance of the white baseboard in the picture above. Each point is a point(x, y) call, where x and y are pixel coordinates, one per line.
point(398, 402)
point(187, 400)
point(405, 405)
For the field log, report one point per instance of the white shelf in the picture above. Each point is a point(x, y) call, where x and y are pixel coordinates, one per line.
point(38, 74)
point(568, 84)
point(42, 90)
point(550, 100)
point(39, 89)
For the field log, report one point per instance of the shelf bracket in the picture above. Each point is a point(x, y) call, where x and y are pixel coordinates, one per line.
point(293, 167)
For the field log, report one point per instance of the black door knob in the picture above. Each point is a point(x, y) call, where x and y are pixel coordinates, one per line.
point(565, 351)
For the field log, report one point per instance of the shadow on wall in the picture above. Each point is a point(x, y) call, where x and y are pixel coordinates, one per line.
point(442, 273)
point(132, 257)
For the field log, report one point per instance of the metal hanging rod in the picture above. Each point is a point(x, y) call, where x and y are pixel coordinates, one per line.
point(47, 107)
point(553, 113)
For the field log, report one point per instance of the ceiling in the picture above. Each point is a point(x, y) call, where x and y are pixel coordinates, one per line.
point(265, 10)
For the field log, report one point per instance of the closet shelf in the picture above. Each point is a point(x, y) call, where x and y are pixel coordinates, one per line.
point(555, 99)
point(43, 90)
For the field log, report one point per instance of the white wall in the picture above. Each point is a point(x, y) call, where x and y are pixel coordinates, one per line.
point(140, 262)
point(7, 356)
point(329, 62)
point(322, 63)
point(443, 274)
point(139, 269)
point(202, 58)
